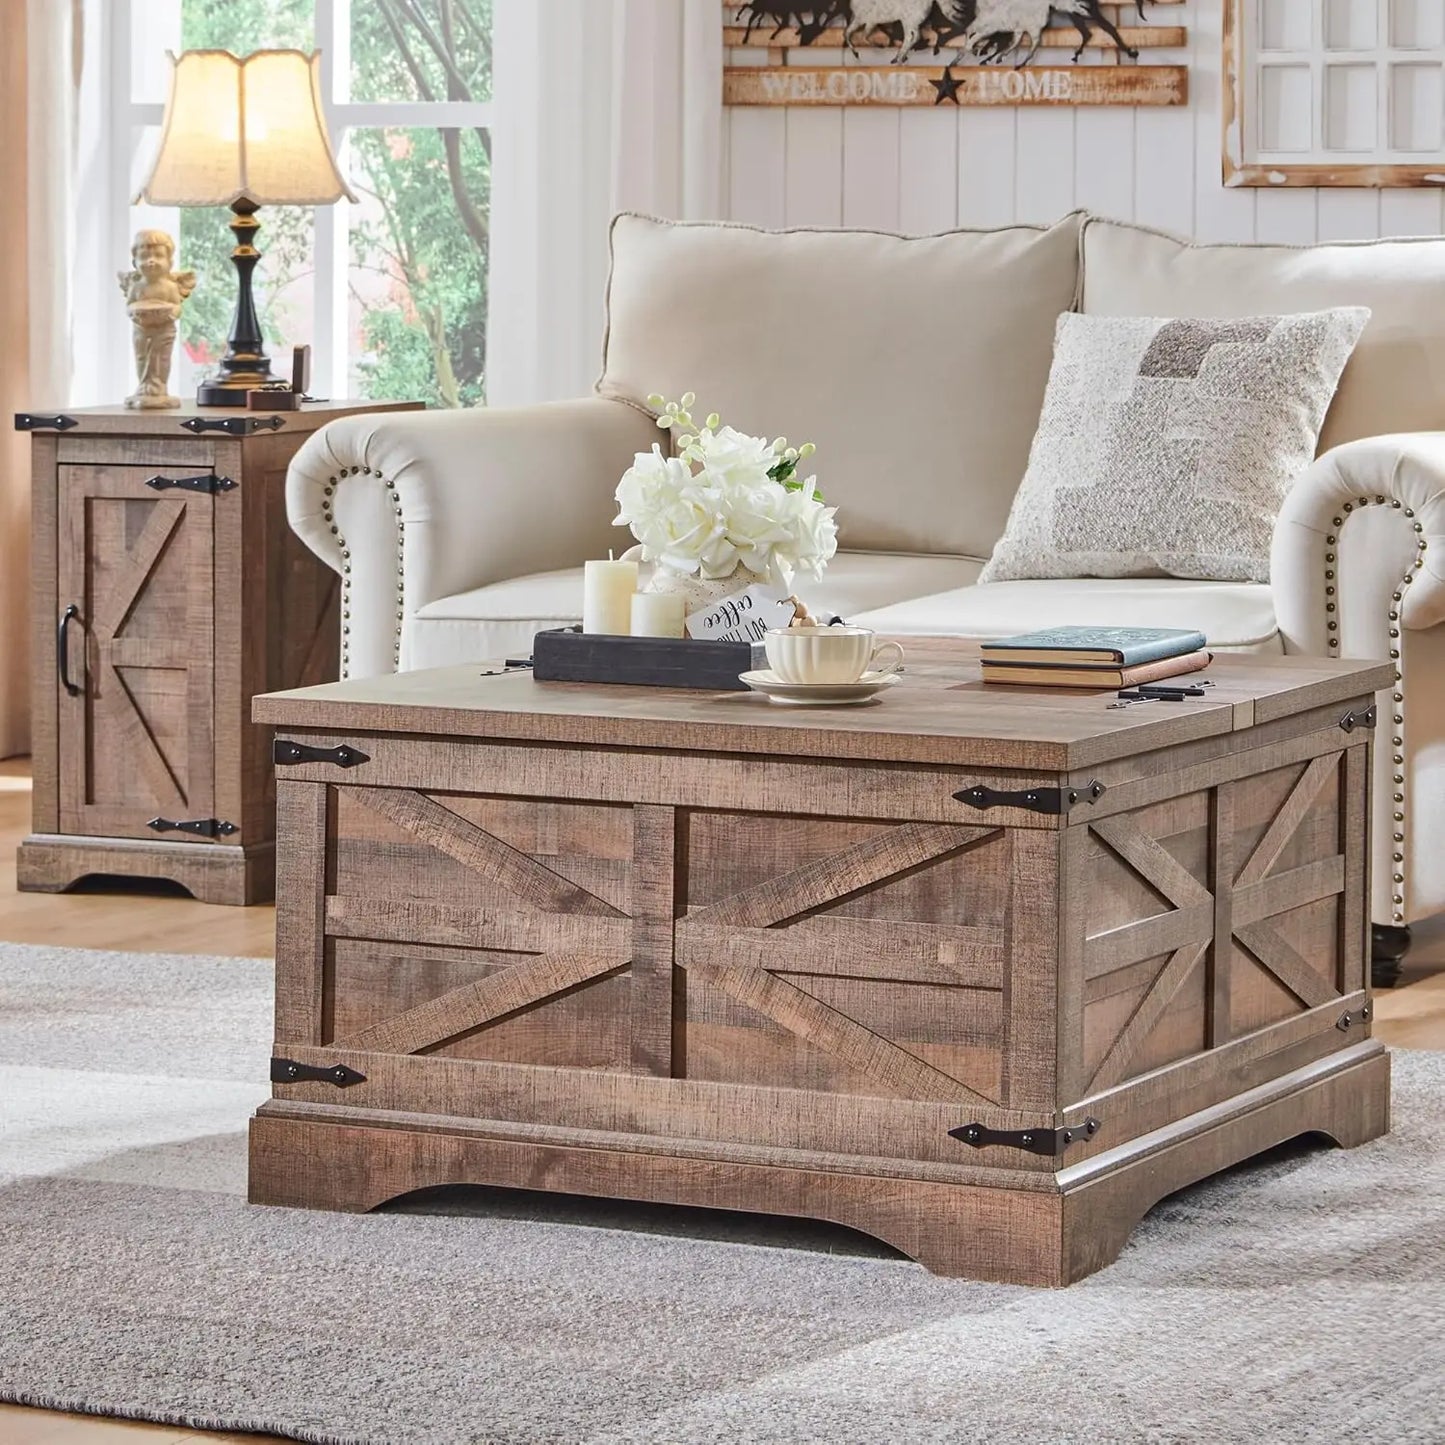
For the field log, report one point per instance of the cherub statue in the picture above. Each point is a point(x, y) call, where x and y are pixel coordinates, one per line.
point(153, 297)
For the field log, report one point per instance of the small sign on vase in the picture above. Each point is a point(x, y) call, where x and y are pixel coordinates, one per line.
point(744, 617)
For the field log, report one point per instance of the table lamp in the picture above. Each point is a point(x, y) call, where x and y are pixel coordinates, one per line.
point(244, 133)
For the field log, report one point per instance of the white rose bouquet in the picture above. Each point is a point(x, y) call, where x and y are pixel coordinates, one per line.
point(725, 500)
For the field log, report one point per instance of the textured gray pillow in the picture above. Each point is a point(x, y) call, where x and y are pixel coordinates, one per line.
point(1166, 447)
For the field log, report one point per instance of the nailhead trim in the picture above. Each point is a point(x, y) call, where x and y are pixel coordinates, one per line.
point(1332, 627)
point(328, 512)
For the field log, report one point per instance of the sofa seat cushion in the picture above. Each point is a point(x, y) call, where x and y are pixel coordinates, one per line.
point(501, 620)
point(1234, 616)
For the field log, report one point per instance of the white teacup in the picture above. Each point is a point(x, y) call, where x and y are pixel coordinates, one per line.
point(828, 654)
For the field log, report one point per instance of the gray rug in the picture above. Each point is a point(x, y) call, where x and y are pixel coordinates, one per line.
point(1297, 1298)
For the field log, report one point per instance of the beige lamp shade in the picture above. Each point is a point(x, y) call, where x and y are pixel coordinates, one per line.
point(247, 129)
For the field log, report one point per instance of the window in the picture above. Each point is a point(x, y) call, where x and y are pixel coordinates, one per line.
point(390, 292)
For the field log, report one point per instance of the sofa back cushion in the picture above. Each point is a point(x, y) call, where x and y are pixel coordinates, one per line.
point(917, 364)
point(1395, 378)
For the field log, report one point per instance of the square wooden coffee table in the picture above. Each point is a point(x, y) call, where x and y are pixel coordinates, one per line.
point(982, 972)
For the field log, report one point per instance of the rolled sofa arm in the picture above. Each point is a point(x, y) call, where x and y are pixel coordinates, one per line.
point(1358, 570)
point(412, 506)
point(1329, 524)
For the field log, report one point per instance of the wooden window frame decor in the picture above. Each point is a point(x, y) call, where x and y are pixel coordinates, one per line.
point(1354, 89)
point(988, 67)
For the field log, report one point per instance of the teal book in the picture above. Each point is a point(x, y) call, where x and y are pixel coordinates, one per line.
point(1075, 646)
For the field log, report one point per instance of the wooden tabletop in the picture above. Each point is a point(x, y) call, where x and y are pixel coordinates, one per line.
point(942, 712)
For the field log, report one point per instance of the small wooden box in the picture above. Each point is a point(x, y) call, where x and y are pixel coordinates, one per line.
point(985, 972)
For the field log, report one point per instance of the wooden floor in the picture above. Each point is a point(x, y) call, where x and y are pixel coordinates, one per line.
point(141, 920)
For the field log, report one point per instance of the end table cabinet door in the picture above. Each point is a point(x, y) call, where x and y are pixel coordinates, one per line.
point(135, 725)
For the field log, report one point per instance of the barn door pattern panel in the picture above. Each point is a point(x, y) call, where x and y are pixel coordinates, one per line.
point(135, 740)
point(470, 927)
point(1213, 915)
point(798, 932)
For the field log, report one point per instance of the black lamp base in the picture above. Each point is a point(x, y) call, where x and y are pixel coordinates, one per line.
point(231, 390)
point(245, 365)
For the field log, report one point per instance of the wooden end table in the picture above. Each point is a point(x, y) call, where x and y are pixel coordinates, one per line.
point(982, 972)
point(166, 591)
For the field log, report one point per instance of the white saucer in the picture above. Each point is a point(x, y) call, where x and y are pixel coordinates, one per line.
point(814, 694)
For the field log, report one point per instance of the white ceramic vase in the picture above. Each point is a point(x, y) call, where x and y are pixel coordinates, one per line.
point(697, 592)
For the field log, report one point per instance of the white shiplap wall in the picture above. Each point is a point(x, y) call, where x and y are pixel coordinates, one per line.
point(918, 170)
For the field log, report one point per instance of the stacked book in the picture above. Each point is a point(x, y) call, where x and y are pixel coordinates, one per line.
point(1097, 657)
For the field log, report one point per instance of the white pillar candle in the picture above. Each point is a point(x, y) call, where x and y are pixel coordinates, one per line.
point(607, 589)
point(658, 614)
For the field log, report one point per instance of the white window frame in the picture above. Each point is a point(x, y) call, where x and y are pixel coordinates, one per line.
point(111, 129)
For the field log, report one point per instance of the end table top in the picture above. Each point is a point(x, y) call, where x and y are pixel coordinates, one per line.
point(942, 712)
point(117, 420)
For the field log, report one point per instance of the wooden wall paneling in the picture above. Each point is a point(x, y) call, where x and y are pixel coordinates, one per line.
point(757, 159)
point(813, 180)
point(1164, 161)
point(927, 173)
point(987, 152)
point(1220, 214)
point(870, 162)
point(1045, 155)
point(1349, 215)
point(45, 609)
point(1104, 158)
point(1412, 213)
point(1287, 217)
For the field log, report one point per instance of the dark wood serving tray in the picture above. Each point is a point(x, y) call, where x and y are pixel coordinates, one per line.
point(567, 654)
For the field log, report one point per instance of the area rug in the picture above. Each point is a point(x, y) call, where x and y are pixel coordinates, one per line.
point(1299, 1297)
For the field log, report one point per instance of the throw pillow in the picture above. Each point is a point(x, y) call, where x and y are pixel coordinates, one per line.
point(1166, 447)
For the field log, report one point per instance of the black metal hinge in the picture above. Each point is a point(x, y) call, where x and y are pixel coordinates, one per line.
point(1366, 718)
point(343, 755)
point(236, 426)
point(208, 483)
point(1347, 1021)
point(35, 421)
point(288, 1071)
point(1035, 800)
point(1048, 1142)
point(201, 827)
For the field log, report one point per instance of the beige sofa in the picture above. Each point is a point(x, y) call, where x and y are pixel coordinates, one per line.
point(918, 366)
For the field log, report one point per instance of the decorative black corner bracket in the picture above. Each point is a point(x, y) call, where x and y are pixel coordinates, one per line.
point(1035, 800)
point(201, 827)
point(1048, 1142)
point(343, 755)
point(288, 1071)
point(1366, 718)
point(1347, 1021)
point(34, 421)
point(235, 426)
point(209, 482)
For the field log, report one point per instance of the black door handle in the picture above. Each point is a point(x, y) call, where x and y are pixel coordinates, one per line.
point(62, 661)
